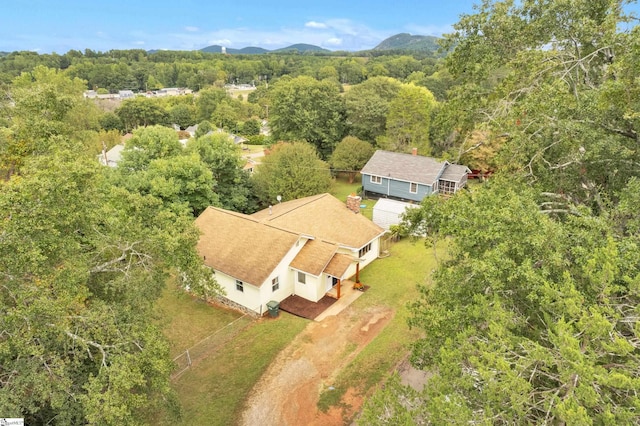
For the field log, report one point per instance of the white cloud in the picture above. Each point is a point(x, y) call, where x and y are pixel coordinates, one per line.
point(314, 24)
point(139, 43)
point(333, 41)
point(191, 29)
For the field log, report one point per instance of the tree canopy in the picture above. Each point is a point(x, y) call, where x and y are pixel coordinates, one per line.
point(531, 317)
point(291, 170)
point(350, 156)
point(304, 108)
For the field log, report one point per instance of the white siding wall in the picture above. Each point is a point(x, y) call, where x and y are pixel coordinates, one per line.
point(312, 290)
point(287, 285)
point(249, 298)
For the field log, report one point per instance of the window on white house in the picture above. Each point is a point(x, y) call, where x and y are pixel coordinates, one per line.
point(364, 250)
point(239, 285)
point(413, 188)
point(302, 277)
point(275, 284)
point(376, 179)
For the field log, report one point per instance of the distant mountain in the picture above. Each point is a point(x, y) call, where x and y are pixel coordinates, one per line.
point(258, 50)
point(4, 54)
point(301, 47)
point(405, 41)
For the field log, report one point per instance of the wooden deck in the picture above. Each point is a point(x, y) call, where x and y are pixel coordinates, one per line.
point(304, 308)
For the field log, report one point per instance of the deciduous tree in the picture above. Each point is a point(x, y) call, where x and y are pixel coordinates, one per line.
point(291, 170)
point(306, 109)
point(350, 156)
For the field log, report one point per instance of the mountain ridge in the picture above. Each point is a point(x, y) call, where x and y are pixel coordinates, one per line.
point(254, 50)
point(401, 41)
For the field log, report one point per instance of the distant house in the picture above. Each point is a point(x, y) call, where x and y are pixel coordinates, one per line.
point(410, 176)
point(388, 212)
point(304, 247)
point(126, 94)
point(111, 157)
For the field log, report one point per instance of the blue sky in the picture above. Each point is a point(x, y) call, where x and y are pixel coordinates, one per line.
point(49, 26)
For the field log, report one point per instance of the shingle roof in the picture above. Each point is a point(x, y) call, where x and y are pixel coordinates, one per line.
point(338, 265)
point(314, 257)
point(323, 217)
point(406, 167)
point(455, 172)
point(240, 246)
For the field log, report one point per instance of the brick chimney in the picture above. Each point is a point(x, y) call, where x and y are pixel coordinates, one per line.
point(353, 203)
point(414, 151)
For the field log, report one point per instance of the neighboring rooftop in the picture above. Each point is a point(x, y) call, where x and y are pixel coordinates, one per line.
point(405, 167)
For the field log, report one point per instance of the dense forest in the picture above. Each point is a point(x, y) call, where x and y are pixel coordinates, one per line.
point(531, 318)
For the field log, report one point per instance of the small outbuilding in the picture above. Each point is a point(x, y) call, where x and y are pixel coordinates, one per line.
point(387, 212)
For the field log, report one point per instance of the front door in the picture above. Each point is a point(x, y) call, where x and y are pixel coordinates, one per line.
point(329, 283)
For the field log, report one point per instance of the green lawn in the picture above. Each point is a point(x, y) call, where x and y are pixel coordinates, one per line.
point(186, 320)
point(213, 391)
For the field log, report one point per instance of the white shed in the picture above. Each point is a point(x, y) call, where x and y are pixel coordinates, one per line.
point(387, 212)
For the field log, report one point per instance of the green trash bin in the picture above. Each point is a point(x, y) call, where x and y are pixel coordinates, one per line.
point(274, 308)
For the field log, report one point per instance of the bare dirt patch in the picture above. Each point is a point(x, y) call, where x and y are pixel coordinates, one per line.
point(287, 394)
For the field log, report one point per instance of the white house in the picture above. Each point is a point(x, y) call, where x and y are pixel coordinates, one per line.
point(303, 247)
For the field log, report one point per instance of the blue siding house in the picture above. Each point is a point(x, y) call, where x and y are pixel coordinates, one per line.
point(410, 176)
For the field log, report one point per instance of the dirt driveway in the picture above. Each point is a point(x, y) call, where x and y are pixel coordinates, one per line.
point(287, 394)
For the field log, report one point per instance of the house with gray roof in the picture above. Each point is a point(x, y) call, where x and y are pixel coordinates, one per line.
point(410, 177)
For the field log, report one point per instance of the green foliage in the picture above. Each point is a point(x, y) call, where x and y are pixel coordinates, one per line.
point(203, 128)
point(367, 106)
point(539, 306)
point(291, 170)
point(111, 121)
point(350, 155)
point(224, 159)
point(251, 127)
point(141, 112)
point(82, 262)
point(556, 81)
point(408, 120)
point(177, 180)
point(207, 101)
point(147, 144)
point(182, 115)
point(225, 116)
point(306, 109)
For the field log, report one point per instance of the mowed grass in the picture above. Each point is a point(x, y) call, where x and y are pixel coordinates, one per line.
point(394, 284)
point(214, 390)
point(186, 320)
